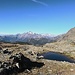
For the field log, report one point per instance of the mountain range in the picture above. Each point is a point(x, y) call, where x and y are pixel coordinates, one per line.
point(38, 39)
point(30, 38)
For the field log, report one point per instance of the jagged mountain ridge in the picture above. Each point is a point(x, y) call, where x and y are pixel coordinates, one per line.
point(29, 37)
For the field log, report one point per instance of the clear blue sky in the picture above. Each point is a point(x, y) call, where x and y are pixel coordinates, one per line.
point(39, 16)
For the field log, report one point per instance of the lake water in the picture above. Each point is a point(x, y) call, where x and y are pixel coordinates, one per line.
point(57, 57)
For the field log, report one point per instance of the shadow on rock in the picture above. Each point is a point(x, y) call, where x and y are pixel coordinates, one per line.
point(19, 63)
point(23, 63)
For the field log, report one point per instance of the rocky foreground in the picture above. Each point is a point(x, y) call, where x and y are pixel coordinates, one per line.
point(18, 59)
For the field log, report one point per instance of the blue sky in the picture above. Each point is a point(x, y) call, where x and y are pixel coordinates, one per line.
point(39, 16)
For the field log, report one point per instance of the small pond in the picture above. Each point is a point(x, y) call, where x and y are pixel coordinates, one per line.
point(57, 57)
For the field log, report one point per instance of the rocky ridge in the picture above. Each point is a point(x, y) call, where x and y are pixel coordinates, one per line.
point(69, 36)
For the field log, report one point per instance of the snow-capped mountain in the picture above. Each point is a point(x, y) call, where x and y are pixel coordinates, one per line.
point(29, 37)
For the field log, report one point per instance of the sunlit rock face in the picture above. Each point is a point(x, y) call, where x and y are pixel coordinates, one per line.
point(69, 36)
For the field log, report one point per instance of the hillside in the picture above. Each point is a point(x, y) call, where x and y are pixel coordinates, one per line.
point(69, 36)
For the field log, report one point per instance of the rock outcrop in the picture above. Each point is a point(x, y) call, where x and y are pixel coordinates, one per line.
point(17, 63)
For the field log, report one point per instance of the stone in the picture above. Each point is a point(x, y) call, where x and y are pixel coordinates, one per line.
point(0, 48)
point(21, 62)
point(7, 52)
point(40, 57)
point(30, 52)
point(1, 70)
point(17, 64)
point(71, 69)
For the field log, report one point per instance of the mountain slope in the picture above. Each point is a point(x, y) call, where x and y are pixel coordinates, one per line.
point(69, 36)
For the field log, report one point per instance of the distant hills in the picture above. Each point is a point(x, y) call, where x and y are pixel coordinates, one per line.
point(29, 38)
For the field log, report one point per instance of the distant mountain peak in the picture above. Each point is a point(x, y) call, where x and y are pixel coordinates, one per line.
point(29, 37)
point(30, 32)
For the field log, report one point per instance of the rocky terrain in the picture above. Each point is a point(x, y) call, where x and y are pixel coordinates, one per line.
point(69, 36)
point(17, 59)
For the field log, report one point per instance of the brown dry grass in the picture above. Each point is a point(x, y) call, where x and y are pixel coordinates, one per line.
point(50, 67)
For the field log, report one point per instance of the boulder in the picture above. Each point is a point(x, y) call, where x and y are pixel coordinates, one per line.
point(40, 57)
point(21, 62)
point(5, 68)
point(17, 63)
point(7, 52)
